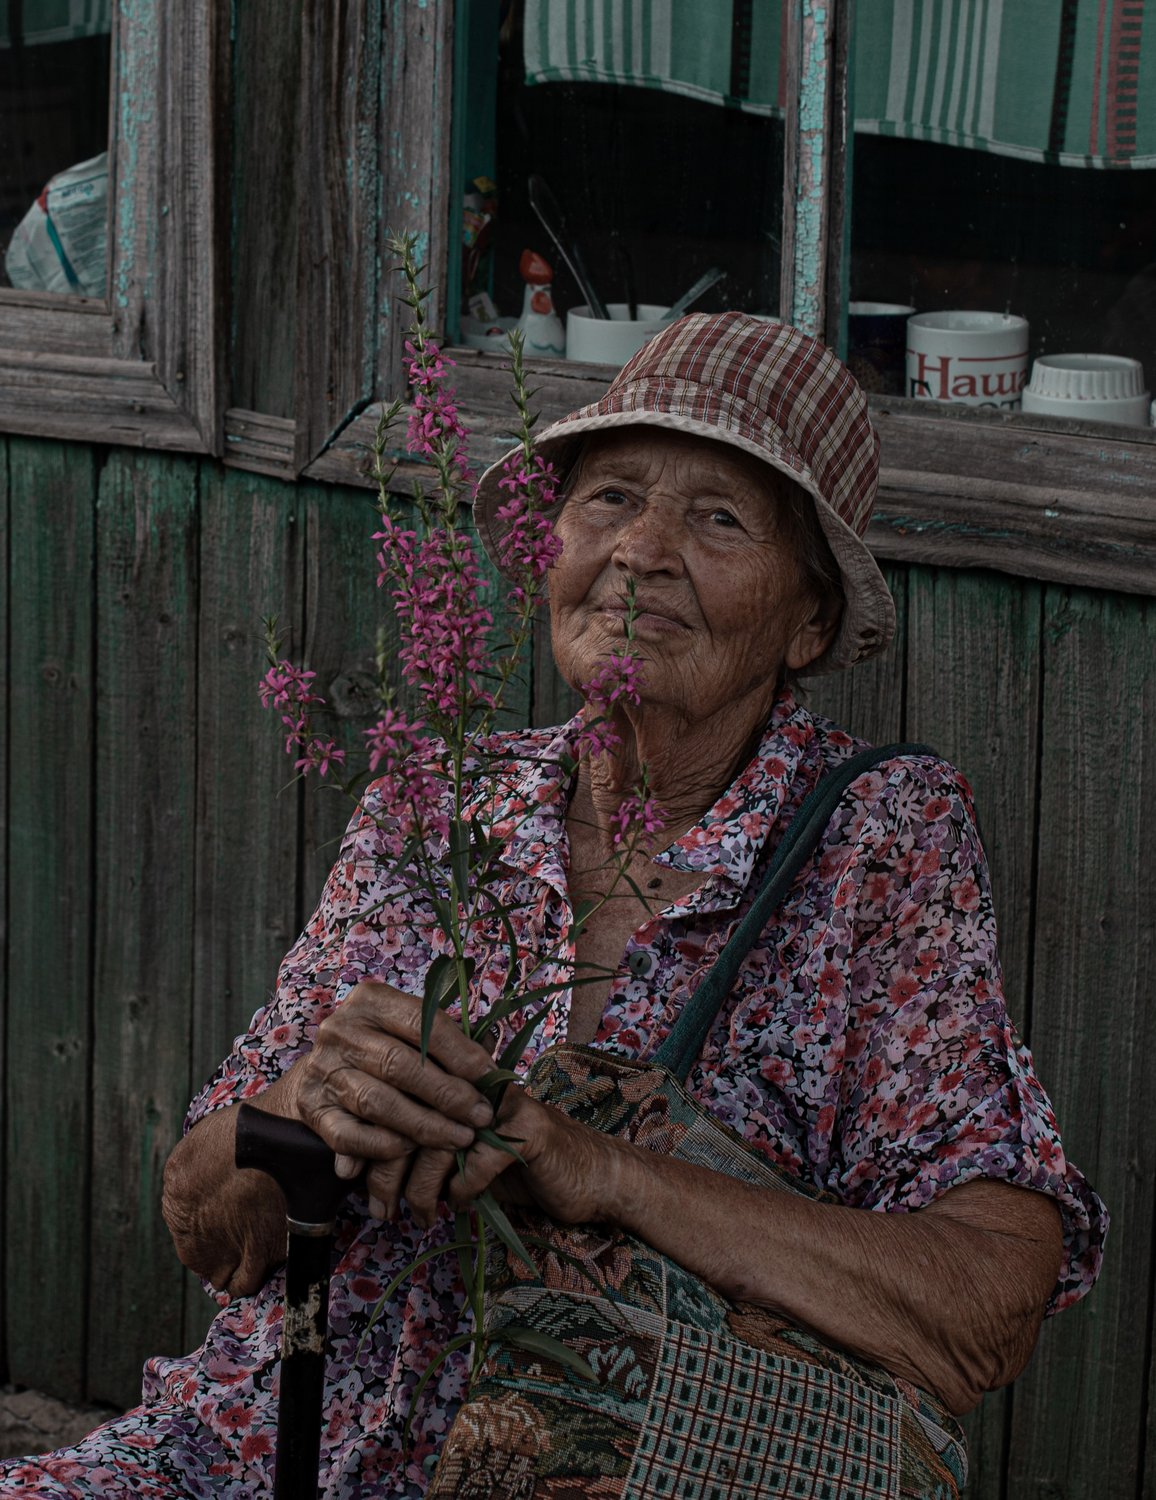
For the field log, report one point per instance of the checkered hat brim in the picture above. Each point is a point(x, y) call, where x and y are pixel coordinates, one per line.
point(774, 392)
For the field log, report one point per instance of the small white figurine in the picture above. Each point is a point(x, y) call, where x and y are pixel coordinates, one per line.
point(541, 326)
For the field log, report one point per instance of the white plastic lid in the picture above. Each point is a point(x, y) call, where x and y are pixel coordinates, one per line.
point(1087, 377)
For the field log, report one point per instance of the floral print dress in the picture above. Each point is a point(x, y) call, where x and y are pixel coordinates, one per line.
point(866, 1048)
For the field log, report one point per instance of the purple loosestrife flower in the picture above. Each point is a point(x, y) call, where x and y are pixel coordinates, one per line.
point(637, 816)
point(529, 544)
point(319, 756)
point(284, 684)
point(433, 424)
point(398, 752)
point(598, 738)
point(445, 627)
point(618, 680)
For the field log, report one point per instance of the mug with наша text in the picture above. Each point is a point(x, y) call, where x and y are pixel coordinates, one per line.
point(971, 358)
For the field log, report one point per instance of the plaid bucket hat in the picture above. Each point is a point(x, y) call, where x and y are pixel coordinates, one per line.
point(774, 392)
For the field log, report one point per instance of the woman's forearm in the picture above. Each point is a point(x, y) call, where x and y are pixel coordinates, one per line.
point(950, 1296)
point(227, 1225)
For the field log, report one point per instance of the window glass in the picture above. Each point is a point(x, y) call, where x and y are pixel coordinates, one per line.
point(656, 130)
point(1005, 165)
point(54, 129)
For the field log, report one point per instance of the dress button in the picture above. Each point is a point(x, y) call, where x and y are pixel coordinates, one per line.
point(641, 964)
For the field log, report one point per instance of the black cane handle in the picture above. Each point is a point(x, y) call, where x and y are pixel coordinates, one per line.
point(297, 1159)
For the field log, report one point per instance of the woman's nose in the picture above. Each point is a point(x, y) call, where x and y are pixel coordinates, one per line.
point(650, 541)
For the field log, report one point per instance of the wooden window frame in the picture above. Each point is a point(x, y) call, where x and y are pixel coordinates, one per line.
point(144, 365)
point(1022, 494)
point(1031, 496)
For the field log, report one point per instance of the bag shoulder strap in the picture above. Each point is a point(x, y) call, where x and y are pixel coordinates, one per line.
point(684, 1043)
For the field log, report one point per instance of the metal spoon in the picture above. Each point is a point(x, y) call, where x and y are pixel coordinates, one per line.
point(703, 284)
point(545, 205)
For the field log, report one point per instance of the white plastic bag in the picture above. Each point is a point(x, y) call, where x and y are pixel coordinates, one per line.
point(61, 244)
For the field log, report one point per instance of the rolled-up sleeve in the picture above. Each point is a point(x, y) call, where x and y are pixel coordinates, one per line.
point(936, 1087)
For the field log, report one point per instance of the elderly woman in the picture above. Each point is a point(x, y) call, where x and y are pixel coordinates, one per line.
point(725, 480)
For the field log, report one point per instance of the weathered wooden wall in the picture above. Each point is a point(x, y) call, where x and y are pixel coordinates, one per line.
point(157, 868)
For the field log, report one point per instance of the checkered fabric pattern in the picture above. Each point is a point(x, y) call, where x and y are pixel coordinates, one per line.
point(726, 1421)
point(774, 392)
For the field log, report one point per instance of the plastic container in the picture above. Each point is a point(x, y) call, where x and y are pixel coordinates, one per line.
point(1092, 387)
point(494, 334)
point(611, 341)
point(876, 341)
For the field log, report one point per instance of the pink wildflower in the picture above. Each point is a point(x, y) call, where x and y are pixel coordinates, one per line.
point(437, 586)
point(618, 680)
point(319, 756)
point(529, 543)
point(284, 683)
point(397, 557)
point(637, 816)
point(392, 740)
point(598, 738)
point(409, 791)
point(433, 425)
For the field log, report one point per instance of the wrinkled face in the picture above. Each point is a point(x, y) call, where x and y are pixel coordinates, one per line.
point(721, 606)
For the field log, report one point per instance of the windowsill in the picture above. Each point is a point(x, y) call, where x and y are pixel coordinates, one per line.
point(1036, 497)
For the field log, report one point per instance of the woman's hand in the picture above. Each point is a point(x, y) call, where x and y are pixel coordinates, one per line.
point(367, 1091)
point(564, 1170)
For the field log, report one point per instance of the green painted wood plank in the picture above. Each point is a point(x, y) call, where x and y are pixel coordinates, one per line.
point(6, 728)
point(51, 907)
point(517, 702)
point(247, 806)
point(868, 699)
point(266, 204)
point(145, 812)
point(979, 707)
point(343, 609)
point(1078, 1412)
point(973, 686)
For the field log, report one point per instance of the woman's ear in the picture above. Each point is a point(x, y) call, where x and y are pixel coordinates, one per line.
point(813, 636)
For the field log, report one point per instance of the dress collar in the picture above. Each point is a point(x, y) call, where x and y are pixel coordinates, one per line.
point(528, 811)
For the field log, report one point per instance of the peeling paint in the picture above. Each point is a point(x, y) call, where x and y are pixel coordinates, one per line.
point(807, 300)
point(301, 1330)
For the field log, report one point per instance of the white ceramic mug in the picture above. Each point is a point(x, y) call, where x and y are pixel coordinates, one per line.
point(971, 358)
point(612, 340)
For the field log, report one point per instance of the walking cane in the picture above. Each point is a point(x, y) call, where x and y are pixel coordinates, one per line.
point(301, 1164)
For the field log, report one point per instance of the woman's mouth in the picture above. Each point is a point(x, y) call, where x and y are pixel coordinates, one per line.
point(647, 617)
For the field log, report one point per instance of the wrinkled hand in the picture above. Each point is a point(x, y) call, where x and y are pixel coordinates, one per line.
point(365, 1089)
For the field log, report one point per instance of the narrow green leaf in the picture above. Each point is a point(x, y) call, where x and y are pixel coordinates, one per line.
point(441, 980)
point(517, 1044)
point(444, 912)
point(502, 1142)
point(427, 1374)
point(534, 1341)
point(495, 1218)
point(418, 1260)
point(495, 1076)
point(583, 912)
point(460, 858)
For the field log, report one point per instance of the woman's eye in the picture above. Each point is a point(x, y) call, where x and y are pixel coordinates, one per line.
point(722, 517)
point(612, 497)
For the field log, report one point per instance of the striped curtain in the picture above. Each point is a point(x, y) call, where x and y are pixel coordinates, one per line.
point(701, 48)
point(1068, 81)
point(57, 21)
